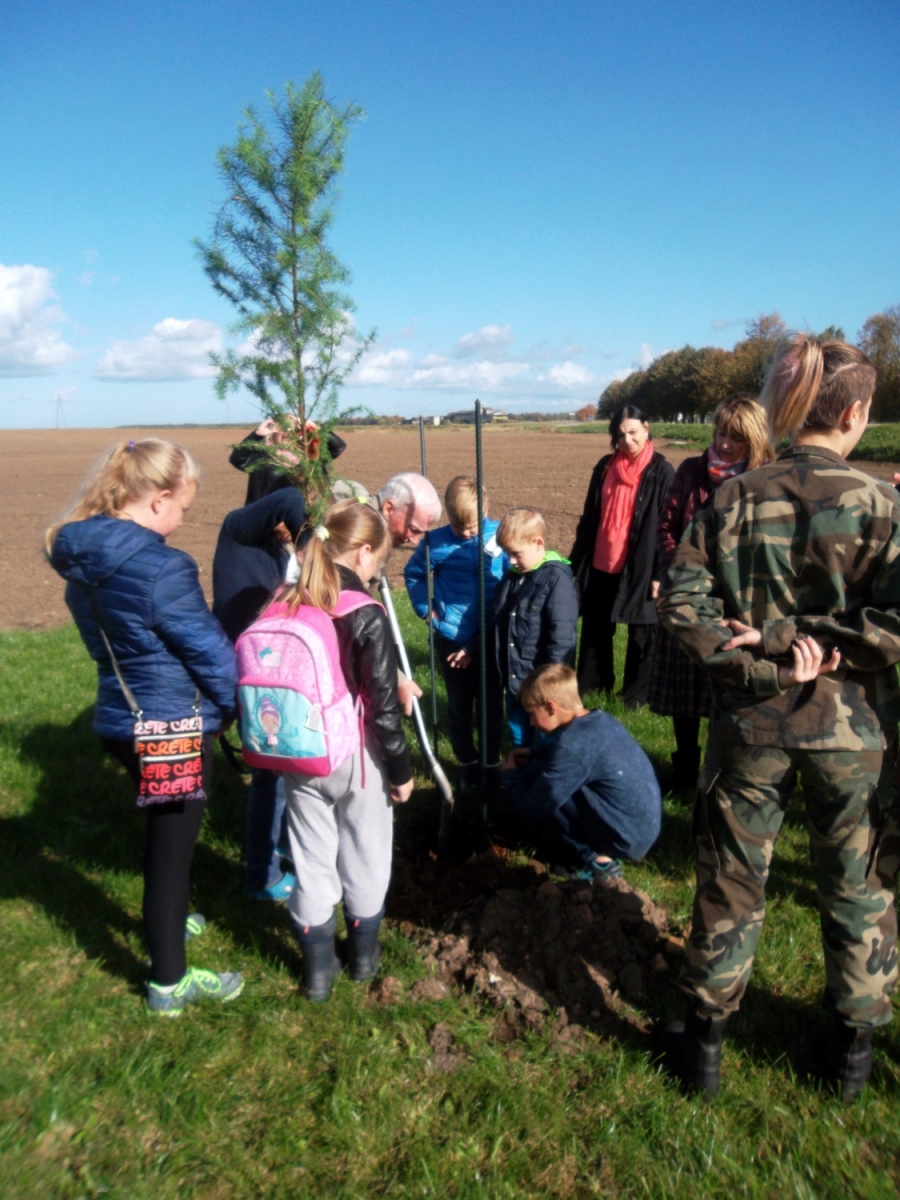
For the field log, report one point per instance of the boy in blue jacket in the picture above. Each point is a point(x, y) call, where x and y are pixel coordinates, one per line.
point(537, 611)
point(589, 781)
point(456, 559)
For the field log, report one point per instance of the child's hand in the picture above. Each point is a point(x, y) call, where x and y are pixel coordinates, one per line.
point(407, 691)
point(744, 635)
point(516, 759)
point(402, 792)
point(460, 658)
point(808, 662)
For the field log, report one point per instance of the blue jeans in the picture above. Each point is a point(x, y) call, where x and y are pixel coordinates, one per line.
point(520, 728)
point(264, 828)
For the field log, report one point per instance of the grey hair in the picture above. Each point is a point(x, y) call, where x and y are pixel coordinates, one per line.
point(412, 491)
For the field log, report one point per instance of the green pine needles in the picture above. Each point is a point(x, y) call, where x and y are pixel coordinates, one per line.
point(269, 256)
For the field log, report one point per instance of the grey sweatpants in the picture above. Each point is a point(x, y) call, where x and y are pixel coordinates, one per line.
point(341, 837)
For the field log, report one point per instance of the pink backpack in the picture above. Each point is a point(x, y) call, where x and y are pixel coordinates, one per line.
point(296, 713)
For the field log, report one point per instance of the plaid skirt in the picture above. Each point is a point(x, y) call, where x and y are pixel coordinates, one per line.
point(678, 687)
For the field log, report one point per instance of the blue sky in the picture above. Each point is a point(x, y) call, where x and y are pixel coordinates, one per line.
point(541, 197)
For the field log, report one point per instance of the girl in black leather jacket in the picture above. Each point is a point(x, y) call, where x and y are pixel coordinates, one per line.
point(340, 826)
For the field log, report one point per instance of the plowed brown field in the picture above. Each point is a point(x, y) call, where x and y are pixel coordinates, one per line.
point(41, 469)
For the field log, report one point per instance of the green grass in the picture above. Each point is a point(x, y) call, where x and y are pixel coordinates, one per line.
point(880, 443)
point(271, 1096)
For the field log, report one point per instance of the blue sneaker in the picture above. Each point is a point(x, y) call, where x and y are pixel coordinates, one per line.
point(280, 890)
point(611, 869)
point(194, 985)
point(589, 871)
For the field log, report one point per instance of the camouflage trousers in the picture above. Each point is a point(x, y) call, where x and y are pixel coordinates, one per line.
point(855, 845)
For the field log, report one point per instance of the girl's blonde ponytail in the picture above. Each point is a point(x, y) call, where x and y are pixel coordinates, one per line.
point(792, 385)
point(347, 526)
point(811, 383)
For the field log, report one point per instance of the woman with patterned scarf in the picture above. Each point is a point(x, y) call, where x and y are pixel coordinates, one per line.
point(678, 687)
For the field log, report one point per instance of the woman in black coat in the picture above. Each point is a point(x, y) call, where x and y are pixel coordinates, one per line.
point(614, 557)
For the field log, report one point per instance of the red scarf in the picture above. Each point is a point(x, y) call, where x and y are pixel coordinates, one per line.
point(618, 498)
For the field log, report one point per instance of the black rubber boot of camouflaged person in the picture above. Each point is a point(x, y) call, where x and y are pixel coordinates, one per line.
point(363, 947)
point(848, 1060)
point(321, 965)
point(691, 1052)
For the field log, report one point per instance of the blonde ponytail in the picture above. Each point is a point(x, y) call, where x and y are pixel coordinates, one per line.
point(347, 526)
point(810, 383)
point(125, 473)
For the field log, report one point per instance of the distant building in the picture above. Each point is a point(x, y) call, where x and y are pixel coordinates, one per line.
point(466, 416)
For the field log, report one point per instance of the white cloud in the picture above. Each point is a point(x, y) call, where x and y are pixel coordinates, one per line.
point(570, 375)
point(462, 377)
point(489, 341)
point(30, 343)
point(382, 367)
point(480, 363)
point(644, 357)
point(174, 350)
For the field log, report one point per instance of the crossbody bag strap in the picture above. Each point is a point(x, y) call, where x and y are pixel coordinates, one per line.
point(136, 710)
point(131, 700)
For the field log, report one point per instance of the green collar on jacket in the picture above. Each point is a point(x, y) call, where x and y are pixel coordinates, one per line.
point(549, 556)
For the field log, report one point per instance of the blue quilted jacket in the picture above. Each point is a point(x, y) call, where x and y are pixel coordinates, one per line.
point(454, 565)
point(148, 599)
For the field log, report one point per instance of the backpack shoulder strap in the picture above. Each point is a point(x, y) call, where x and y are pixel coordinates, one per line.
point(350, 602)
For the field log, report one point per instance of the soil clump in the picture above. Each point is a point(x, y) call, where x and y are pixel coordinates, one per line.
point(566, 954)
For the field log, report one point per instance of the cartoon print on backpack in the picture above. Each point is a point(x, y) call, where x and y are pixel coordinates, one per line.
point(296, 713)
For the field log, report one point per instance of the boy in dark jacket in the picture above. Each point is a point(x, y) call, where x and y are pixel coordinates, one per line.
point(250, 563)
point(589, 780)
point(537, 611)
point(456, 559)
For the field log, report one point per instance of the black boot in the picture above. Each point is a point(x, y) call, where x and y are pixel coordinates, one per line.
point(848, 1060)
point(321, 965)
point(363, 947)
point(691, 1052)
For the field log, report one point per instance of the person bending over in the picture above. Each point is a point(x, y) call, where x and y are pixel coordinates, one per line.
point(456, 561)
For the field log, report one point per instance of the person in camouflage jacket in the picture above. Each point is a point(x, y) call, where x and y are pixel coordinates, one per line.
point(787, 590)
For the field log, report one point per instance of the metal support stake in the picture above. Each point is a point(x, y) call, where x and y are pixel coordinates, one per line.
point(437, 771)
point(482, 619)
point(431, 662)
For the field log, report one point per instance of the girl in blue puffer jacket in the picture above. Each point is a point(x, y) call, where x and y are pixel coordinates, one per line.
point(456, 559)
point(138, 606)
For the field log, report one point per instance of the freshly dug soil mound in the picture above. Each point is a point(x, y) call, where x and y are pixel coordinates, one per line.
point(574, 954)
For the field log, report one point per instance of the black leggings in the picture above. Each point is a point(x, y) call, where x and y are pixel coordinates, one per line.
point(171, 833)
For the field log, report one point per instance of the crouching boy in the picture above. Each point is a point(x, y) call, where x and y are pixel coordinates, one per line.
point(590, 780)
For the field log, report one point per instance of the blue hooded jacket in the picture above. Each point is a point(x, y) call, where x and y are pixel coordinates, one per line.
point(147, 596)
point(454, 565)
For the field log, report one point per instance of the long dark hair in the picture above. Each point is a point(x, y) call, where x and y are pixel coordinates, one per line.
point(628, 412)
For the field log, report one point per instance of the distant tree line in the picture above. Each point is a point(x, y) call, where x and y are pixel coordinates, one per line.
point(687, 384)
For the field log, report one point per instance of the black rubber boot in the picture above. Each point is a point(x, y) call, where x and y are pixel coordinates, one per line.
point(848, 1060)
point(691, 1052)
point(321, 965)
point(363, 947)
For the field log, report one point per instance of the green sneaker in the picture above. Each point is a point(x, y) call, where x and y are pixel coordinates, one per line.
point(194, 985)
point(194, 926)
